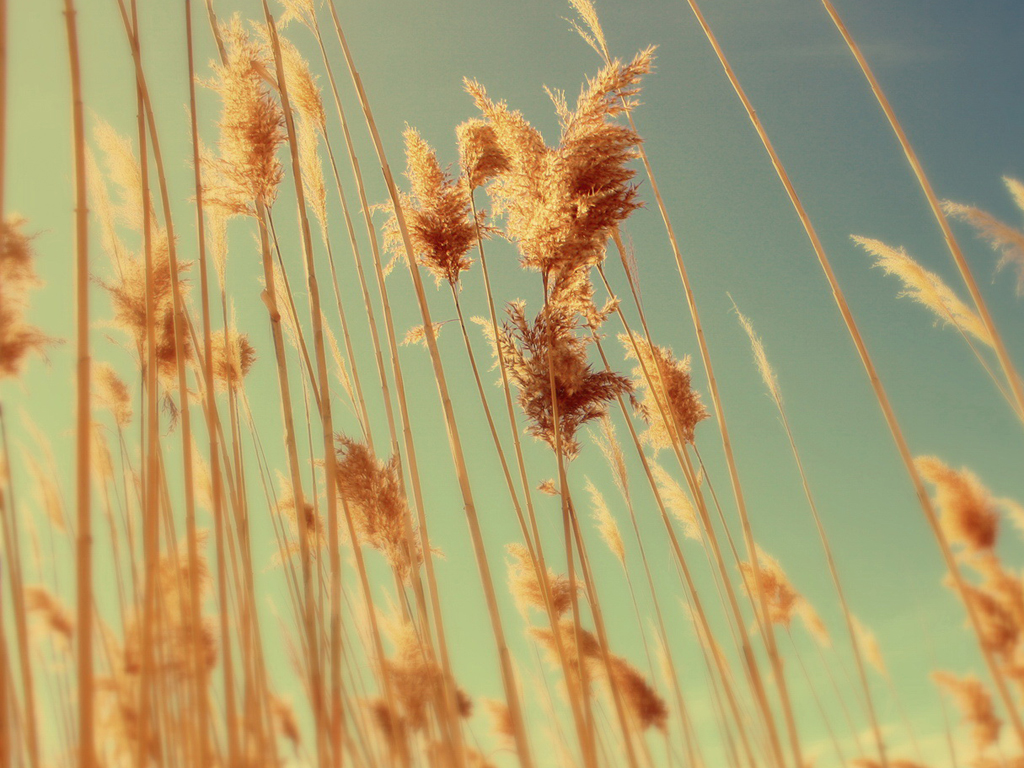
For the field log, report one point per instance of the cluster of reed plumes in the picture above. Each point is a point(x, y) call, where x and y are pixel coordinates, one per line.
point(164, 646)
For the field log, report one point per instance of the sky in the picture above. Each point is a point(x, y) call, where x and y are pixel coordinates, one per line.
point(950, 69)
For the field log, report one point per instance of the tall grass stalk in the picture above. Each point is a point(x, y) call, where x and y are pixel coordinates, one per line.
point(298, 498)
point(12, 548)
point(448, 708)
point(188, 464)
point(681, 562)
point(8, 700)
point(350, 229)
point(663, 636)
point(840, 756)
point(83, 408)
point(150, 427)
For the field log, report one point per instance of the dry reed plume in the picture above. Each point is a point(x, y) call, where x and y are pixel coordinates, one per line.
point(203, 599)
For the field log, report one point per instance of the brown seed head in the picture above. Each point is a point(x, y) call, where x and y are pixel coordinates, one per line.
point(561, 204)
point(54, 615)
point(647, 708)
point(174, 634)
point(967, 512)
point(128, 295)
point(251, 126)
point(526, 587)
point(112, 393)
point(437, 214)
point(417, 680)
point(17, 276)
point(667, 381)
point(372, 489)
point(233, 356)
point(780, 596)
point(975, 704)
point(581, 393)
point(480, 155)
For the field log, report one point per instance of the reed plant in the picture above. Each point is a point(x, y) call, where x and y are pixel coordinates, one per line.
point(258, 564)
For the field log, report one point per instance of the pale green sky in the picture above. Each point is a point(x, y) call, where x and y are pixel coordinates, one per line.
point(950, 69)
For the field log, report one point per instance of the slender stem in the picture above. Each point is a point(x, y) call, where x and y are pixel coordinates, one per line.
point(448, 710)
point(681, 562)
point(817, 700)
point(83, 416)
point(270, 298)
point(5, 706)
point(668, 416)
point(201, 721)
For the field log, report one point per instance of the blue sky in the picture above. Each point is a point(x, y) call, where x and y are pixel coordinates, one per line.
point(950, 69)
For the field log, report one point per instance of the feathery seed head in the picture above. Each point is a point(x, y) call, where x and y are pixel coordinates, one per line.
point(526, 587)
point(233, 356)
point(869, 646)
point(813, 624)
point(581, 394)
point(112, 393)
point(177, 638)
point(676, 501)
point(561, 204)
point(480, 155)
point(373, 491)
point(54, 615)
point(303, 91)
point(416, 678)
point(302, 11)
point(760, 357)
point(437, 214)
point(309, 524)
point(612, 452)
point(967, 512)
point(646, 707)
point(975, 703)
point(780, 596)
point(926, 288)
point(1008, 240)
point(666, 380)
point(128, 295)
point(606, 524)
point(251, 126)
point(998, 603)
point(17, 276)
